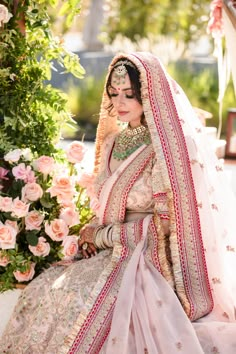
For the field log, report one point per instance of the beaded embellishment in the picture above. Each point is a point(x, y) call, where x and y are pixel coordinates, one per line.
point(129, 140)
point(120, 71)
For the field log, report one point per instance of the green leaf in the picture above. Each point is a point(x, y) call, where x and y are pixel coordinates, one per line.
point(31, 238)
point(46, 202)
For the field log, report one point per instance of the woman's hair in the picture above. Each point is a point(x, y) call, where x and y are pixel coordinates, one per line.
point(134, 77)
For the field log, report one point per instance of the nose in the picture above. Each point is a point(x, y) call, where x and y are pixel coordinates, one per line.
point(120, 98)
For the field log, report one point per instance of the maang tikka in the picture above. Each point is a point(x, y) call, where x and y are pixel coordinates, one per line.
point(120, 71)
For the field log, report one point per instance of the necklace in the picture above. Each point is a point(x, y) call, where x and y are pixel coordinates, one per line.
point(129, 140)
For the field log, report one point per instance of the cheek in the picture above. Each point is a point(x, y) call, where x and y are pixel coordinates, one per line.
point(138, 108)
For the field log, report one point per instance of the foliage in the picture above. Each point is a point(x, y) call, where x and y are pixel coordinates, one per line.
point(137, 19)
point(201, 87)
point(42, 210)
point(31, 111)
point(84, 102)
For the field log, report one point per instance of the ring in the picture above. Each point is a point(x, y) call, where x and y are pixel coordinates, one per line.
point(85, 246)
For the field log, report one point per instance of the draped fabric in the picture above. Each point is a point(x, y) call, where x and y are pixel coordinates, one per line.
point(150, 292)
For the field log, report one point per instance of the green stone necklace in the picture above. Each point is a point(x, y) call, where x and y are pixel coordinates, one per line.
point(129, 140)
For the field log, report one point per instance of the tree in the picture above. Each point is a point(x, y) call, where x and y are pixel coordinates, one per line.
point(136, 19)
point(32, 111)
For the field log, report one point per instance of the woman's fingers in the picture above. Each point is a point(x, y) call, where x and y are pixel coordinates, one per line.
point(92, 249)
point(88, 249)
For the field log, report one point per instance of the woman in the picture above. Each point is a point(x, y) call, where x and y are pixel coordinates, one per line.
point(157, 274)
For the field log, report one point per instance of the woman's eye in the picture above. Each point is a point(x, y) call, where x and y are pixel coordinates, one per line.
point(113, 94)
point(129, 96)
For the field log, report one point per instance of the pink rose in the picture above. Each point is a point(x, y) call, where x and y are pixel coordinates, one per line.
point(70, 216)
point(44, 164)
point(5, 204)
point(19, 208)
point(13, 156)
point(25, 276)
point(33, 220)
point(70, 247)
point(57, 230)
point(30, 178)
point(7, 237)
point(75, 152)
point(23, 173)
point(42, 249)
point(62, 188)
point(12, 224)
point(3, 173)
point(86, 180)
point(5, 15)
point(31, 192)
point(4, 260)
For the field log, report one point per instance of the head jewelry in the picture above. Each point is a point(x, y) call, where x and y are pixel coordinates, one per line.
point(120, 71)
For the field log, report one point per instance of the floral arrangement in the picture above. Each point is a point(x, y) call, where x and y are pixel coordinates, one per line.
point(44, 201)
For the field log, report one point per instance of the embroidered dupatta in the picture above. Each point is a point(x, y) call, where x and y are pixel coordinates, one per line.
point(92, 327)
point(175, 180)
point(198, 234)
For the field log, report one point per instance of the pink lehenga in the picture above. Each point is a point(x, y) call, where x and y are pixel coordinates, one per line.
point(149, 291)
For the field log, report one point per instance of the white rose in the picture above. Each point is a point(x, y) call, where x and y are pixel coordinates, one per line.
point(13, 156)
point(5, 15)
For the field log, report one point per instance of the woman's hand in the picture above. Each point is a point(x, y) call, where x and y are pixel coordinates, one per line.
point(86, 242)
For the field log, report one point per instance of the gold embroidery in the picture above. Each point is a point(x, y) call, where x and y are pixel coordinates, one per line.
point(214, 207)
point(193, 161)
point(159, 303)
point(198, 130)
point(219, 168)
point(179, 345)
point(225, 315)
point(216, 280)
point(230, 248)
point(113, 341)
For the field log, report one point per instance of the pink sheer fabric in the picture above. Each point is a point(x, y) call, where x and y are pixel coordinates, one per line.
point(148, 317)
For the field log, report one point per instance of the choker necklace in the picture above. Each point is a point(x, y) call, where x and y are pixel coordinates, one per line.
point(129, 140)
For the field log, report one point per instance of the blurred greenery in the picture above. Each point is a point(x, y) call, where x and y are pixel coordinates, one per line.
point(201, 86)
point(136, 19)
point(84, 102)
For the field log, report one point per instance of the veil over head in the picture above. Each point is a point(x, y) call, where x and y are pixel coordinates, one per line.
point(201, 205)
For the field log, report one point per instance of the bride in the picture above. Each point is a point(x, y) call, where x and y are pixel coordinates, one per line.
point(158, 274)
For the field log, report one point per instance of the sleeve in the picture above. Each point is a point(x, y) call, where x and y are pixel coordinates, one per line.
point(159, 192)
point(128, 234)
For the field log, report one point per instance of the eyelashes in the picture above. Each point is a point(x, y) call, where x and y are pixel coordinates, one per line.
point(126, 96)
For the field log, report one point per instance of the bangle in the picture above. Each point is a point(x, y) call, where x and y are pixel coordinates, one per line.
point(98, 240)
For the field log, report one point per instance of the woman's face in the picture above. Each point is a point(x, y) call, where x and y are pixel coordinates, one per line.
point(127, 107)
